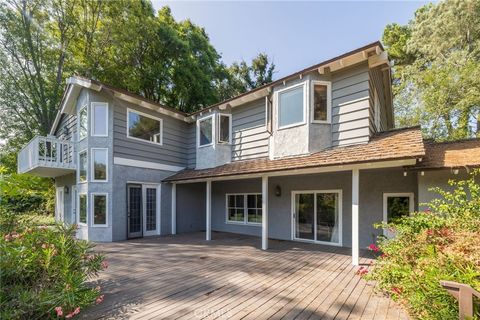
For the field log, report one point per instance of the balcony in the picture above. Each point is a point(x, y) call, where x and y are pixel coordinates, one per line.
point(47, 157)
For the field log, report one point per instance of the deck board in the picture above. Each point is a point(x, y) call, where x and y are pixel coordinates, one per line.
point(186, 277)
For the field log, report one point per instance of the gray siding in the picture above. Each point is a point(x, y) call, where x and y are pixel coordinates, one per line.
point(191, 145)
point(191, 205)
point(250, 136)
point(174, 150)
point(350, 106)
point(376, 83)
point(67, 127)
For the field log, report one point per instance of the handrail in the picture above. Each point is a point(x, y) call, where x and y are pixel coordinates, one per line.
point(464, 294)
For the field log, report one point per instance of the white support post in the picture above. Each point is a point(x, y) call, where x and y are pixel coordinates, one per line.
point(355, 200)
point(174, 208)
point(209, 211)
point(264, 213)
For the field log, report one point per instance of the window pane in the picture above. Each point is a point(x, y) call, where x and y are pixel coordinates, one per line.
point(239, 201)
point(99, 209)
point(83, 167)
point(100, 164)
point(305, 216)
point(290, 106)
point(231, 214)
point(83, 119)
point(240, 215)
point(82, 208)
point(100, 119)
point(224, 134)
point(206, 131)
point(397, 207)
point(142, 127)
point(252, 201)
point(327, 217)
point(320, 102)
point(151, 209)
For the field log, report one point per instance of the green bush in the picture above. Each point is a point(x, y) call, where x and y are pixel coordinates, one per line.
point(441, 243)
point(44, 271)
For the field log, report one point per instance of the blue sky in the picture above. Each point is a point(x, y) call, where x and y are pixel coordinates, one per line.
point(295, 34)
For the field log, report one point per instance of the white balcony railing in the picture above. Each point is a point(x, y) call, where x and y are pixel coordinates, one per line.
point(49, 153)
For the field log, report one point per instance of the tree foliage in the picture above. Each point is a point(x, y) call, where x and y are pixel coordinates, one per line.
point(437, 69)
point(124, 43)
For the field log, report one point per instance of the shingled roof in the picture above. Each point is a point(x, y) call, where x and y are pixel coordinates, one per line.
point(452, 154)
point(396, 144)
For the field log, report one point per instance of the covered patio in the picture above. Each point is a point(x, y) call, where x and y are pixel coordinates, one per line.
point(230, 277)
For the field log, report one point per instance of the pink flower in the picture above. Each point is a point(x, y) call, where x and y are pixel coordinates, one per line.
point(59, 311)
point(99, 299)
point(70, 315)
point(429, 232)
point(76, 311)
point(362, 271)
point(396, 290)
point(384, 255)
point(104, 265)
point(373, 247)
point(8, 237)
point(427, 210)
point(45, 246)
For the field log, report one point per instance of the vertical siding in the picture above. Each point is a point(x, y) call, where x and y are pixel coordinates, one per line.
point(250, 136)
point(174, 150)
point(350, 106)
point(376, 83)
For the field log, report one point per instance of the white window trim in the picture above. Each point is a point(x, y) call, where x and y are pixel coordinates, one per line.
point(213, 131)
point(92, 207)
point(148, 116)
point(78, 164)
point(92, 164)
point(229, 128)
point(340, 216)
point(93, 105)
point(245, 209)
point(78, 122)
point(305, 104)
point(387, 195)
point(78, 209)
point(329, 101)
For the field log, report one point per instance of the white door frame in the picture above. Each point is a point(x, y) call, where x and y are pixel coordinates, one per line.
point(60, 206)
point(340, 216)
point(157, 187)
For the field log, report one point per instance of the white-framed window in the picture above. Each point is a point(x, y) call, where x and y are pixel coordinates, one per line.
point(99, 164)
point(82, 209)
point(224, 128)
point(82, 166)
point(205, 132)
point(291, 106)
point(321, 100)
point(99, 209)
point(144, 127)
point(397, 205)
point(82, 122)
point(99, 118)
point(244, 208)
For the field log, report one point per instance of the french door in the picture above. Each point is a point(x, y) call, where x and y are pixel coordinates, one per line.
point(143, 210)
point(317, 216)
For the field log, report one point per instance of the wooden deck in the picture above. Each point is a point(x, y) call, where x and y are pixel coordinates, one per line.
point(185, 277)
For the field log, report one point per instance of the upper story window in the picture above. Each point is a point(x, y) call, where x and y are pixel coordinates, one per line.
point(224, 128)
point(99, 163)
point(321, 101)
point(82, 123)
point(144, 127)
point(82, 166)
point(205, 131)
point(291, 106)
point(99, 119)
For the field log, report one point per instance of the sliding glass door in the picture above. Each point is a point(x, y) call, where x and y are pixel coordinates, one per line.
point(317, 216)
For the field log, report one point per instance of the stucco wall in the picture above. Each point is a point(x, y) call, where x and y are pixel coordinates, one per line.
point(191, 201)
point(436, 178)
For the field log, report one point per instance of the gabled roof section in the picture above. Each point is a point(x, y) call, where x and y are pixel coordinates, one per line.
point(397, 144)
point(452, 154)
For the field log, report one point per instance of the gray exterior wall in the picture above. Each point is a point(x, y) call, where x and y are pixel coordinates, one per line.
point(436, 178)
point(191, 205)
point(122, 175)
point(250, 136)
point(174, 150)
point(351, 106)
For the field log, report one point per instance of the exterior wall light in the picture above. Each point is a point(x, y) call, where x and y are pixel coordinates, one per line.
point(455, 171)
point(278, 191)
point(66, 189)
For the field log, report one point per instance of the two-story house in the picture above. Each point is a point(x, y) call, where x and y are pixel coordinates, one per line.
point(313, 157)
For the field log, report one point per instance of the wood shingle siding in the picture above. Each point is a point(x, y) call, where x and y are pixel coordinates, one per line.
point(250, 136)
point(174, 150)
point(350, 106)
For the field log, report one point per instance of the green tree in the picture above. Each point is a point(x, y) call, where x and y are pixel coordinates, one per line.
point(437, 69)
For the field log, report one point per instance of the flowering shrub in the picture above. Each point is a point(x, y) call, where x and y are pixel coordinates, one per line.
point(44, 272)
point(441, 243)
